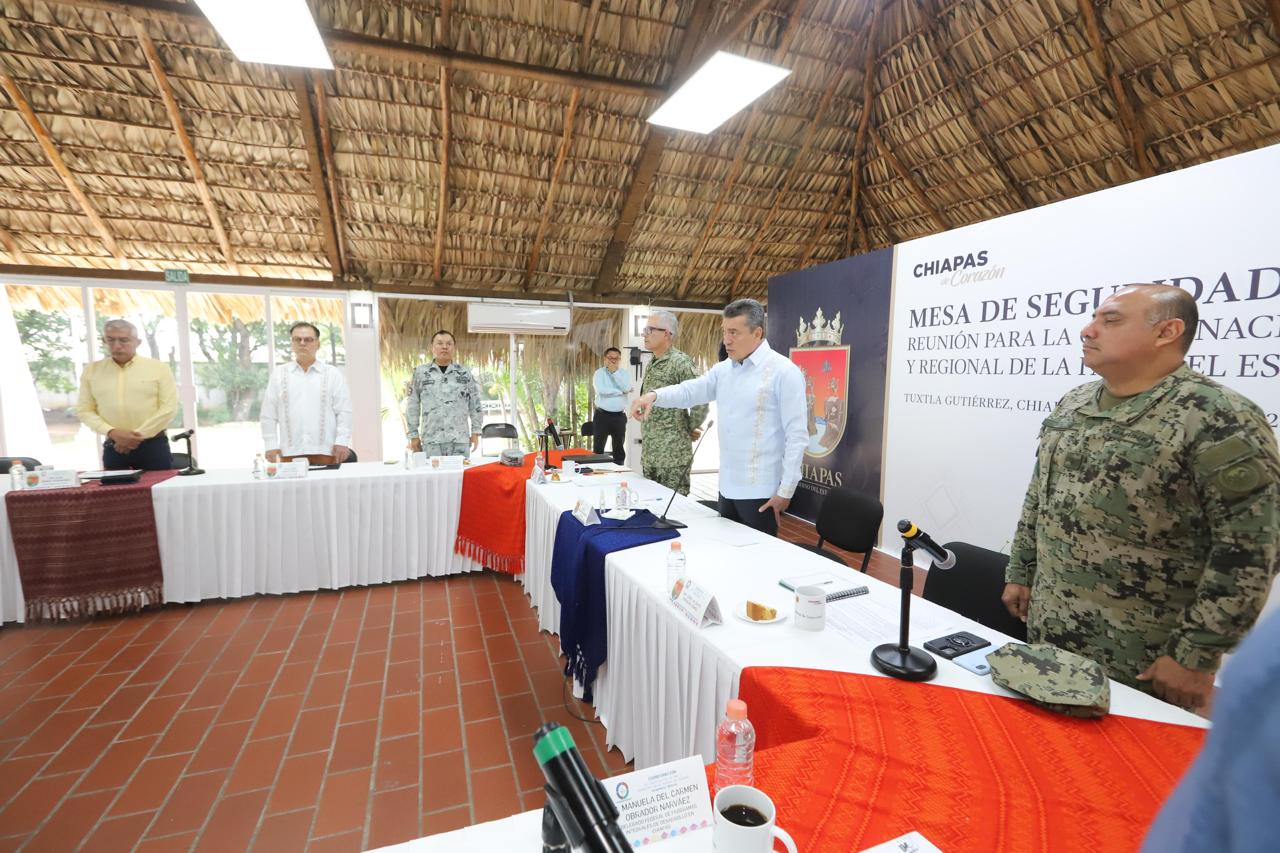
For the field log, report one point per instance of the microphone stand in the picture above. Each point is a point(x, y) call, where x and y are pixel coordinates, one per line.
point(191, 469)
point(664, 523)
point(902, 660)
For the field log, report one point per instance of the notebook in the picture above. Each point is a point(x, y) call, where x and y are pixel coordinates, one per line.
point(838, 588)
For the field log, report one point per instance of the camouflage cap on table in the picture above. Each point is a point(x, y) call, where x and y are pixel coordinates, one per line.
point(1052, 678)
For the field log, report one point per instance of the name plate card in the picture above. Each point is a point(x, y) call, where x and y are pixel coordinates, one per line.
point(912, 842)
point(695, 603)
point(450, 463)
point(48, 478)
point(585, 513)
point(538, 477)
point(295, 470)
point(663, 802)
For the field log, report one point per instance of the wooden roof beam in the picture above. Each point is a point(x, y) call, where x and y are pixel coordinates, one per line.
point(442, 186)
point(793, 169)
point(330, 168)
point(857, 162)
point(45, 141)
point(548, 202)
point(1125, 111)
point(951, 78)
point(315, 169)
point(359, 44)
point(739, 157)
point(184, 142)
point(916, 192)
point(654, 144)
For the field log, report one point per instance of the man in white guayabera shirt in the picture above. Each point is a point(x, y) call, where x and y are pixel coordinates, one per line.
point(307, 410)
point(760, 418)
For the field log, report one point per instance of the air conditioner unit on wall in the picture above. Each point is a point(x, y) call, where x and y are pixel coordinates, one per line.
point(495, 318)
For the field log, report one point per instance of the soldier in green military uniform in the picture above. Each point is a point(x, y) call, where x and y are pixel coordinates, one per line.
point(667, 436)
point(1150, 531)
point(443, 411)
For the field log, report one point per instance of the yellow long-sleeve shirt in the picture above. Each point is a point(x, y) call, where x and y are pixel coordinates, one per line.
point(140, 396)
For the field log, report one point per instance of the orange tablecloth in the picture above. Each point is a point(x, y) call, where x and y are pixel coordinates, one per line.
point(855, 760)
point(491, 522)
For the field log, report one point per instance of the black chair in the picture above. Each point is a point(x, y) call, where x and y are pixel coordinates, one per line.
point(588, 429)
point(351, 457)
point(180, 461)
point(848, 520)
point(507, 431)
point(972, 588)
point(6, 462)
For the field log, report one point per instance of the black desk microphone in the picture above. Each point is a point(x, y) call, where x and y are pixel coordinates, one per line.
point(664, 523)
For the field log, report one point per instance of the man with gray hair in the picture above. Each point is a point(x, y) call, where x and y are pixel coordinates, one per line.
point(1150, 532)
point(666, 449)
point(760, 407)
point(130, 399)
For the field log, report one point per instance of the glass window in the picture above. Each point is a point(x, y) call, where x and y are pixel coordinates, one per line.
point(230, 362)
point(51, 329)
point(326, 312)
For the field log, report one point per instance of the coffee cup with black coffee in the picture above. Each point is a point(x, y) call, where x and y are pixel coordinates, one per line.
point(745, 822)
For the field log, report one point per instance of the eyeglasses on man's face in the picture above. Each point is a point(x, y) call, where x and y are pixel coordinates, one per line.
point(649, 330)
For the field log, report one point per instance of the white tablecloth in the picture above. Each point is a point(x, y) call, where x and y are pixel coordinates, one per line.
point(664, 687)
point(226, 535)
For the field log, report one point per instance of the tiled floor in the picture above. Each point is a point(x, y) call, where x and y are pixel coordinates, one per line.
point(321, 721)
point(325, 721)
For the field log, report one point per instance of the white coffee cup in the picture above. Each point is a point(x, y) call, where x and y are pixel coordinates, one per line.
point(811, 608)
point(730, 837)
point(570, 467)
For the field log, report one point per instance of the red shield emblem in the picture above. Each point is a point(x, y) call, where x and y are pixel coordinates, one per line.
point(826, 391)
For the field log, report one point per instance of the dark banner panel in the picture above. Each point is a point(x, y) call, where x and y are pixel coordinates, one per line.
point(833, 321)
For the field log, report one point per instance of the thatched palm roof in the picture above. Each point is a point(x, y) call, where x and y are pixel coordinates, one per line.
point(499, 147)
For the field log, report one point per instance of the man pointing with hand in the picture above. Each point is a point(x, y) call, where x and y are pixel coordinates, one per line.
point(761, 422)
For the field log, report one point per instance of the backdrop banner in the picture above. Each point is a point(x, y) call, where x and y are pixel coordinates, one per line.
point(985, 335)
point(831, 320)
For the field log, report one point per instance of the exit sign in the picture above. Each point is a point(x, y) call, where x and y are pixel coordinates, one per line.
point(177, 277)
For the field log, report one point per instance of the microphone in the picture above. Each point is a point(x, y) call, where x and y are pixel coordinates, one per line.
point(917, 538)
point(192, 469)
point(664, 523)
point(182, 435)
point(587, 816)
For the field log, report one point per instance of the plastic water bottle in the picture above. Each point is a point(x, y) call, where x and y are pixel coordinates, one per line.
point(539, 473)
point(259, 467)
point(735, 747)
point(622, 496)
point(17, 475)
point(675, 565)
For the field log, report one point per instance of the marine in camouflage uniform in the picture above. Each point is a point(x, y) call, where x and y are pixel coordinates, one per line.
point(443, 408)
point(667, 434)
point(1151, 525)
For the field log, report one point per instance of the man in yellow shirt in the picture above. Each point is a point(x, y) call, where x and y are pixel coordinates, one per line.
point(130, 399)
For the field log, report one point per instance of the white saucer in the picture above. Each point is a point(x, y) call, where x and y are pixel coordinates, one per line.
point(740, 611)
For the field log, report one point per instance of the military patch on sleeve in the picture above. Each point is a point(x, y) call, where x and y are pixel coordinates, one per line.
point(1240, 478)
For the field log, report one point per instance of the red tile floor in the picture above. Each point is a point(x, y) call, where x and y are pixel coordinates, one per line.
point(321, 721)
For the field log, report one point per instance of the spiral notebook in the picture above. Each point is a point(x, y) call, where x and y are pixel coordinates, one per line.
point(838, 588)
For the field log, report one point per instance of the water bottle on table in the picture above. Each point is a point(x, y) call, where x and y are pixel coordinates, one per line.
point(675, 565)
point(735, 747)
point(17, 475)
point(626, 498)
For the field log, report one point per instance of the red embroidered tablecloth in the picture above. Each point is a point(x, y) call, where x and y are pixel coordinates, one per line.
point(491, 522)
point(88, 550)
point(855, 760)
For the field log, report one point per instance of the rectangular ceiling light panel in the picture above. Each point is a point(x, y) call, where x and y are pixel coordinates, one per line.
point(274, 32)
point(716, 91)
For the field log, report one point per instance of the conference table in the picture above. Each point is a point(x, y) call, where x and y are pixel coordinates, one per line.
point(226, 535)
point(663, 689)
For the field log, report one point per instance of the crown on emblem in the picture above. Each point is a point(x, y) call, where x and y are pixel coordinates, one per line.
point(820, 331)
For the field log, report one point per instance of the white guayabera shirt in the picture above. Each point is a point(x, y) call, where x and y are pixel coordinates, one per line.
point(306, 411)
point(761, 421)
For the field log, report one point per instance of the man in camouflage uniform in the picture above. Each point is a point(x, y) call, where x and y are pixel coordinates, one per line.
point(1150, 531)
point(667, 435)
point(444, 403)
